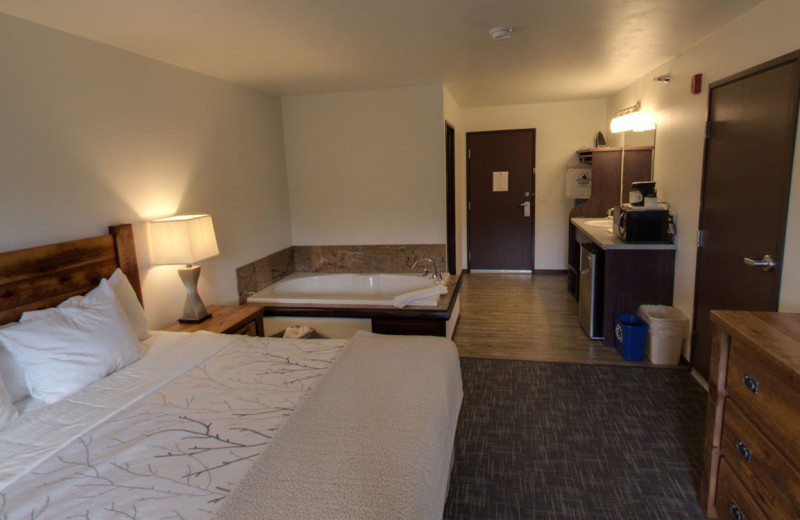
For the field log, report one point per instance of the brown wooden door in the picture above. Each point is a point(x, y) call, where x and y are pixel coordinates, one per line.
point(500, 232)
point(748, 166)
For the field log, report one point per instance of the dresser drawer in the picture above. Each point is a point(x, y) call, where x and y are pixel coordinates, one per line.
point(766, 392)
point(771, 479)
point(734, 502)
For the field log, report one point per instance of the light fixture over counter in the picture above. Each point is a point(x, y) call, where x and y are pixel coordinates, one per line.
point(632, 119)
point(185, 239)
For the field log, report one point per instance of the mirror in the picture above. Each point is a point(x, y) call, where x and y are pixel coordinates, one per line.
point(646, 138)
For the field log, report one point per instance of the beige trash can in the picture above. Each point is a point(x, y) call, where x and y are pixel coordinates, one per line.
point(667, 331)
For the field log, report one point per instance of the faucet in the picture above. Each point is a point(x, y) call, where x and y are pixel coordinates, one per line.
point(433, 273)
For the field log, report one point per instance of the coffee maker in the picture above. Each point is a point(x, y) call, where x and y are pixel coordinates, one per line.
point(641, 192)
point(644, 219)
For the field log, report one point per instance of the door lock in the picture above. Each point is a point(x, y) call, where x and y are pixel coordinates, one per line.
point(766, 264)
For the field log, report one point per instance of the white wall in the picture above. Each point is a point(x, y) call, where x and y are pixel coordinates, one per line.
point(452, 115)
point(767, 31)
point(561, 129)
point(366, 167)
point(92, 136)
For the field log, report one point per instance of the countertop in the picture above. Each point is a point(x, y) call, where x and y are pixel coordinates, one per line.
point(605, 238)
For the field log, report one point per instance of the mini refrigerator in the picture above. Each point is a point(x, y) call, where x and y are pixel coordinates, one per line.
point(590, 296)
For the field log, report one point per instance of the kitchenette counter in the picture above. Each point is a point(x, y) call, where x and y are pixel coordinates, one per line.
point(627, 274)
point(599, 231)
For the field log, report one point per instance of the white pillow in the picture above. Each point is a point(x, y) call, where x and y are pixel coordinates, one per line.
point(73, 346)
point(7, 410)
point(41, 313)
point(127, 300)
point(130, 304)
point(12, 375)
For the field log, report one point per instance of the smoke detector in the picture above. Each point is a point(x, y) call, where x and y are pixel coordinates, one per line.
point(500, 33)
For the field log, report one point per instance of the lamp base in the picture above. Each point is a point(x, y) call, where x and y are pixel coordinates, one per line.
point(194, 311)
point(192, 320)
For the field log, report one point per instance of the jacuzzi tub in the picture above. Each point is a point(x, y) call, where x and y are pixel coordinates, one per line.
point(346, 289)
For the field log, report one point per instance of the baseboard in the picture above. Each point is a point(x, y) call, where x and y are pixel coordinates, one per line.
point(700, 379)
point(535, 271)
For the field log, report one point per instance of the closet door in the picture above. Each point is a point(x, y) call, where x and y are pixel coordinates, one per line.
point(748, 167)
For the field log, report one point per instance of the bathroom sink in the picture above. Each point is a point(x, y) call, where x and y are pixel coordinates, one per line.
point(606, 222)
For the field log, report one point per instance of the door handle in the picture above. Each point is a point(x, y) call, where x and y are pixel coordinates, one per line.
point(766, 264)
point(524, 204)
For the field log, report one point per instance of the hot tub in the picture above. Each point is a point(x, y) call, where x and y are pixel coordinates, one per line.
point(338, 304)
point(347, 289)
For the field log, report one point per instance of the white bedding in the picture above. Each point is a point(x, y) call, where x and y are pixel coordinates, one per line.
point(41, 430)
point(186, 434)
point(373, 441)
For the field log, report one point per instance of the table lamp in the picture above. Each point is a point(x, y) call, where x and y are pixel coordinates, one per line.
point(185, 239)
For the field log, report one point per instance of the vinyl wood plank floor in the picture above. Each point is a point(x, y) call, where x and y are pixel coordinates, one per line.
point(527, 317)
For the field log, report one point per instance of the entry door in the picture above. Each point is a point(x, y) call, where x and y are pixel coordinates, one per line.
point(500, 199)
point(748, 166)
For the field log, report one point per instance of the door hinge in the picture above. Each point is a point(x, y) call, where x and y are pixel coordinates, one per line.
point(469, 255)
point(534, 170)
point(700, 238)
point(469, 153)
point(469, 205)
point(708, 129)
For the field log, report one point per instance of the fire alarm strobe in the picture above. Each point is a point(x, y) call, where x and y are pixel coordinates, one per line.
point(697, 83)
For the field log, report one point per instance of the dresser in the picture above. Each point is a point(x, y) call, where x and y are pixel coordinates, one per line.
point(752, 447)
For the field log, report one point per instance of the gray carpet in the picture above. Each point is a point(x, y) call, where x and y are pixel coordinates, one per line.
point(564, 441)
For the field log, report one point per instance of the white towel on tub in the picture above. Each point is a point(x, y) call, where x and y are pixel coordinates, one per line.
point(404, 299)
point(373, 440)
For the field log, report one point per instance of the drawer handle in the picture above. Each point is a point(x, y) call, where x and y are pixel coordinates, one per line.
point(743, 450)
point(736, 512)
point(750, 383)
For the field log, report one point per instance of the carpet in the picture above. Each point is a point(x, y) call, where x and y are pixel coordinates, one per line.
point(566, 441)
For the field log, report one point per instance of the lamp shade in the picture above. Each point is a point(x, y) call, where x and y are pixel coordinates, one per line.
point(182, 239)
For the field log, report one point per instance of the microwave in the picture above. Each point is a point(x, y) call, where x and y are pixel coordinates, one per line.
point(637, 224)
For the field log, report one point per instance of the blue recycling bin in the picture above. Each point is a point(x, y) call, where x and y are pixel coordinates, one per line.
point(630, 333)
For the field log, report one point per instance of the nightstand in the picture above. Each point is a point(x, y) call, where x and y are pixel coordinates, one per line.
point(228, 319)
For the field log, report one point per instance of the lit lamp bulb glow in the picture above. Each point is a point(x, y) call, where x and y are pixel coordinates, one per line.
point(632, 121)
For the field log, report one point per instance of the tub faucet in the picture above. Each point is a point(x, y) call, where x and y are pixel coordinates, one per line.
point(433, 272)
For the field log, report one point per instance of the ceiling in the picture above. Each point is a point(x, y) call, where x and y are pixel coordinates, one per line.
point(559, 49)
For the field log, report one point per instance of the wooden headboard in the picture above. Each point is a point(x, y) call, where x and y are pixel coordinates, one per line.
point(45, 276)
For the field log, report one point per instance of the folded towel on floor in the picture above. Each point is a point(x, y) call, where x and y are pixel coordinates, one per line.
point(404, 299)
point(297, 331)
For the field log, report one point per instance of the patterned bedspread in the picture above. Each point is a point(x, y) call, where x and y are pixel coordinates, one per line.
point(179, 451)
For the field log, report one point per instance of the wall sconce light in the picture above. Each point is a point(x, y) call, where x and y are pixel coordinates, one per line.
point(185, 239)
point(631, 119)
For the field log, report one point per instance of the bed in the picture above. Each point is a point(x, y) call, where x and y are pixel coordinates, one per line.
point(205, 425)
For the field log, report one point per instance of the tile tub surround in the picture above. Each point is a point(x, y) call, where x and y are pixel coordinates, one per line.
point(366, 259)
point(263, 272)
point(396, 258)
